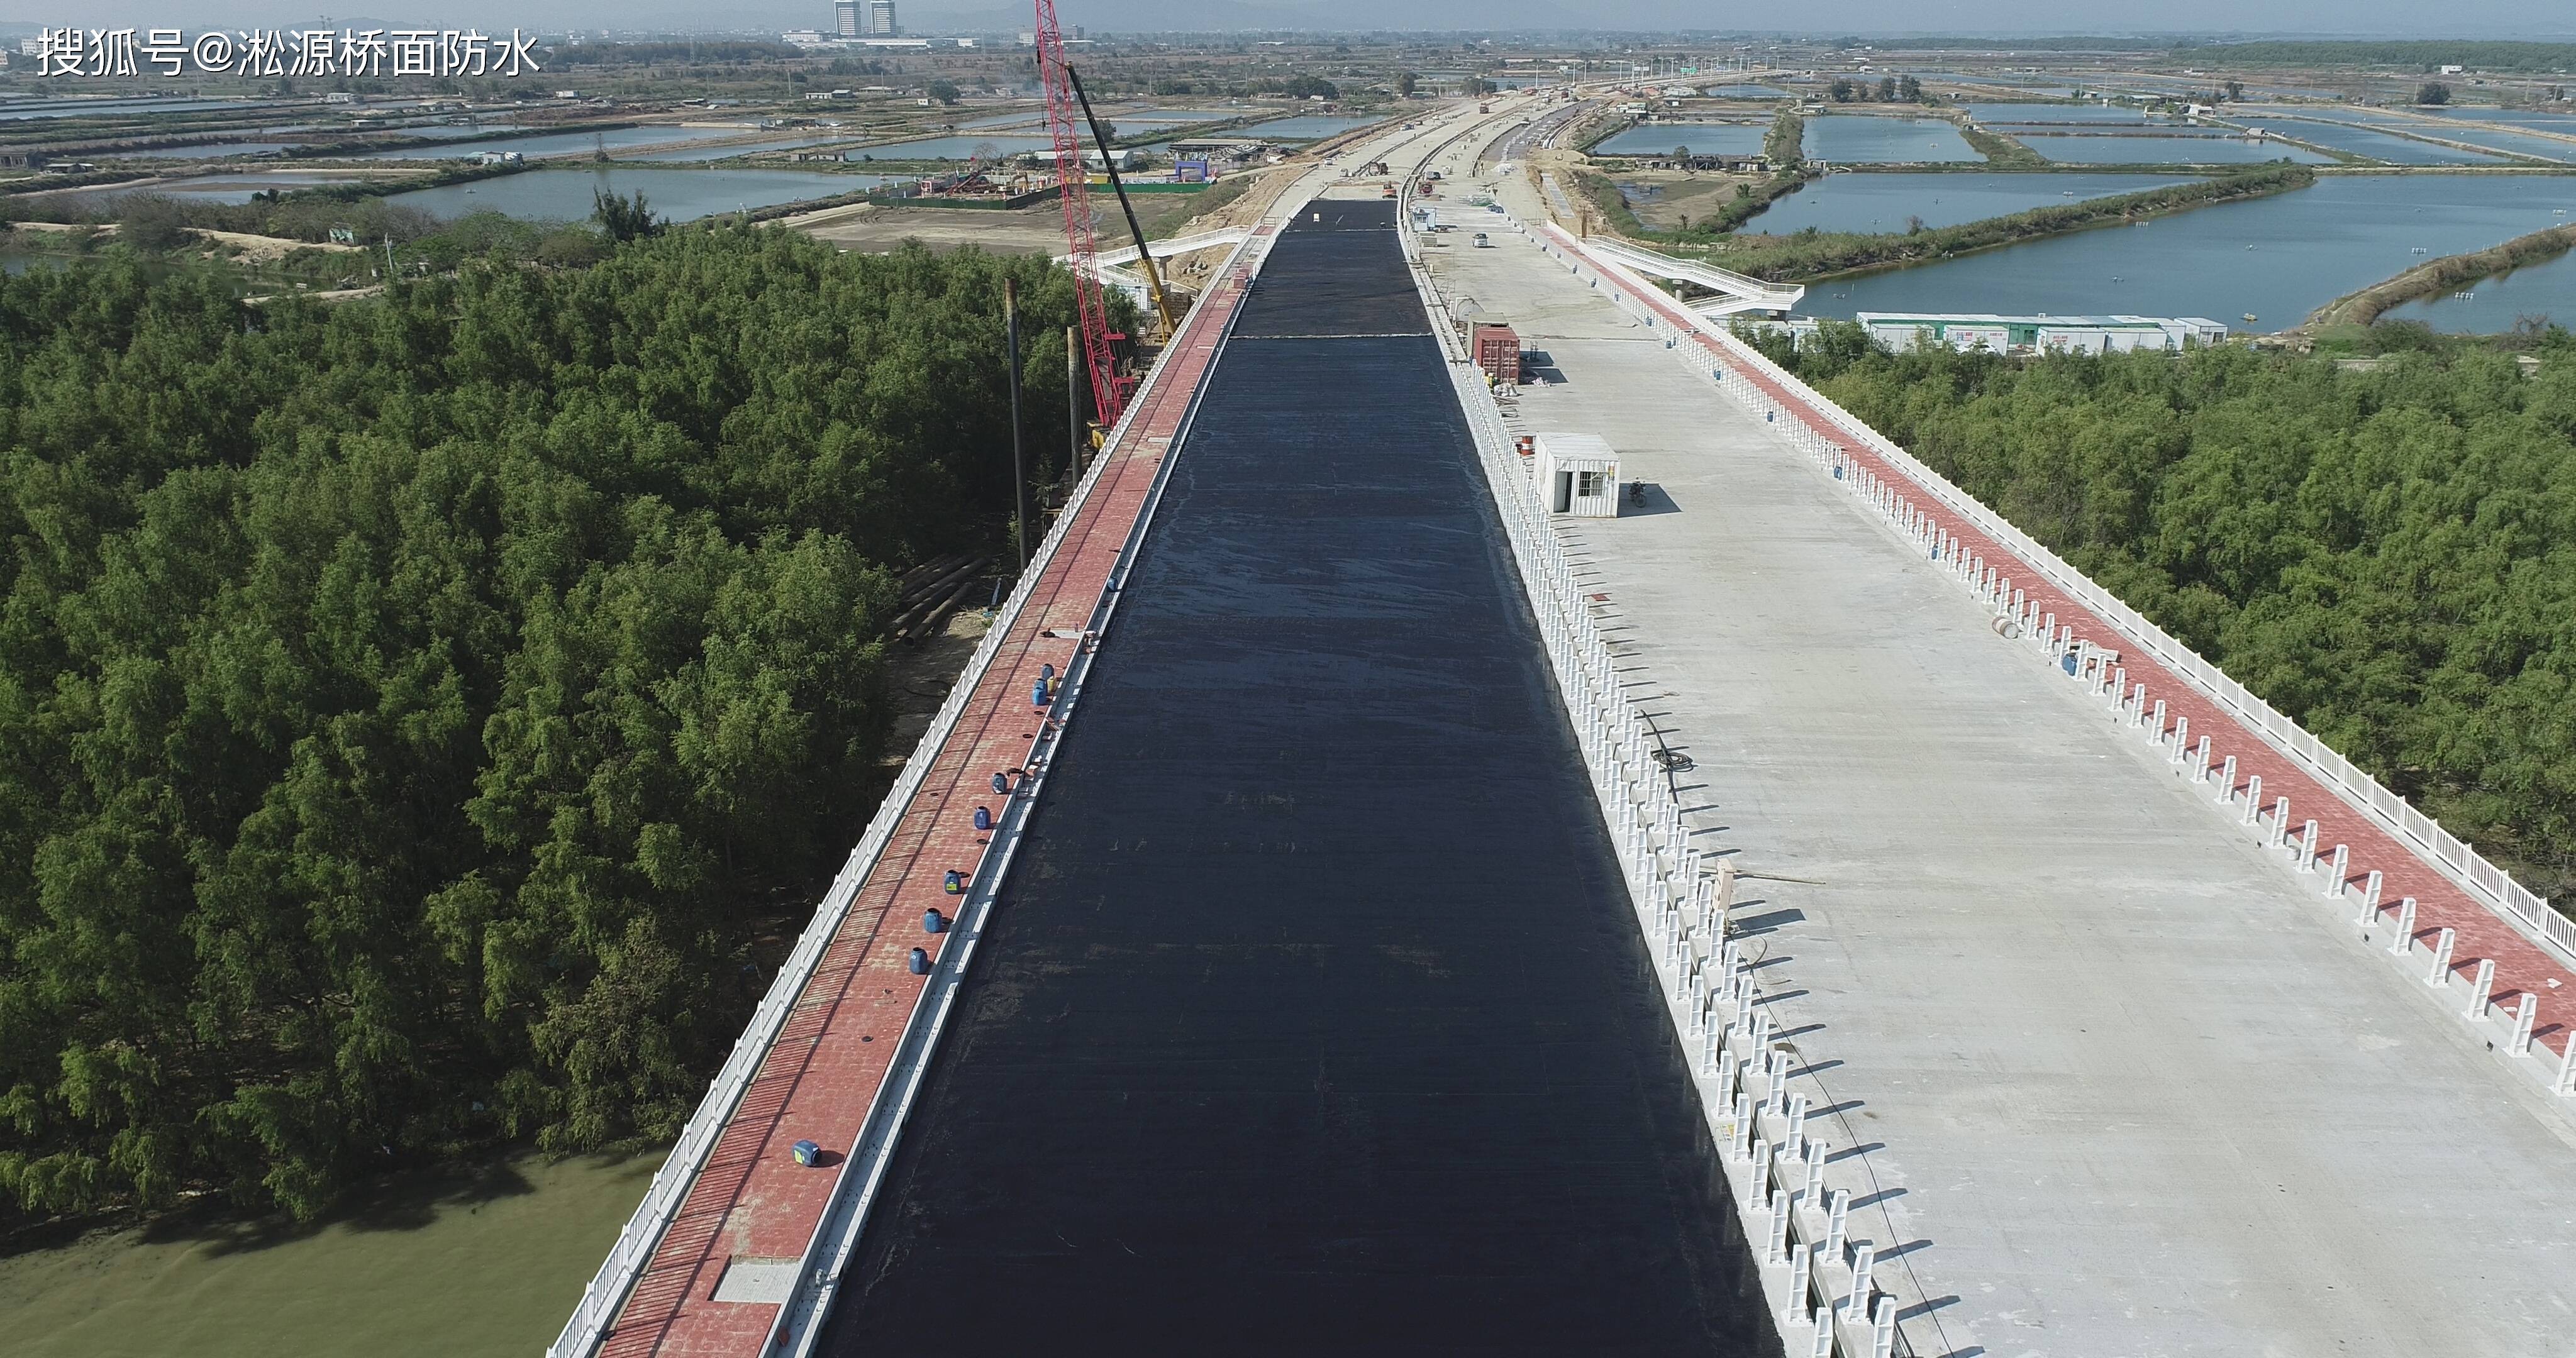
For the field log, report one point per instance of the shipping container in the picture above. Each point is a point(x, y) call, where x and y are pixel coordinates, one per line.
point(1497, 349)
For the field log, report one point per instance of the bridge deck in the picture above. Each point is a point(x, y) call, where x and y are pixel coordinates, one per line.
point(753, 1202)
point(1311, 1019)
point(2103, 1075)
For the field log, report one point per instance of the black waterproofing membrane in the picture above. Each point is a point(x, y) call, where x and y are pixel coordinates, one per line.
point(1312, 1019)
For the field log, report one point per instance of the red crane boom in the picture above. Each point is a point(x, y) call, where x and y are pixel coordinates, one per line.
point(1064, 128)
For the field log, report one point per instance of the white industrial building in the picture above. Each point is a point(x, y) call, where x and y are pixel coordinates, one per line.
point(2039, 334)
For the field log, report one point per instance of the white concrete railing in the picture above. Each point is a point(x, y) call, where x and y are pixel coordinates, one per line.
point(1817, 1279)
point(651, 1220)
point(2454, 858)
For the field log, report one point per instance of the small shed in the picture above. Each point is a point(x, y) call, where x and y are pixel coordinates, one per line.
point(1498, 351)
point(1577, 474)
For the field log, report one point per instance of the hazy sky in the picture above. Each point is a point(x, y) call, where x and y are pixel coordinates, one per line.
point(2360, 18)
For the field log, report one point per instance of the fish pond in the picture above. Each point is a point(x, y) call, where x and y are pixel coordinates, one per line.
point(1861, 140)
point(2279, 258)
point(1882, 202)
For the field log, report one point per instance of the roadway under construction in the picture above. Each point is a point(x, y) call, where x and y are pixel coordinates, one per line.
point(1311, 1018)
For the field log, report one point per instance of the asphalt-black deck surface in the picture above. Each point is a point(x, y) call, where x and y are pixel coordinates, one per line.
point(1312, 1019)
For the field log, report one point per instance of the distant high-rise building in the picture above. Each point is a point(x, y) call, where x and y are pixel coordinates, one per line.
point(881, 22)
point(845, 17)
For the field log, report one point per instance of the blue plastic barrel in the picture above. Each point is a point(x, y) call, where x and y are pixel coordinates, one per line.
point(807, 1153)
point(920, 962)
point(2066, 662)
point(932, 922)
point(983, 818)
point(1001, 784)
point(1038, 694)
point(1046, 671)
point(954, 883)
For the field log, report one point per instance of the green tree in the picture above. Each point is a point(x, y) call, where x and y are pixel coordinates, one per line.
point(413, 711)
point(624, 219)
point(2432, 92)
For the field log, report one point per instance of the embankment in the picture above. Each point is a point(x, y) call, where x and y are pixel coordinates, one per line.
point(2434, 277)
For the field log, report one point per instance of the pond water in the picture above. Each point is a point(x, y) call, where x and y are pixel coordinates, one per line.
point(1704, 139)
point(1882, 202)
point(677, 195)
point(2056, 113)
point(208, 150)
point(2494, 304)
point(2279, 257)
point(1306, 127)
point(1745, 92)
point(1857, 140)
point(559, 143)
point(681, 155)
point(2387, 146)
point(2175, 150)
point(2546, 120)
point(2520, 143)
point(953, 148)
point(2346, 113)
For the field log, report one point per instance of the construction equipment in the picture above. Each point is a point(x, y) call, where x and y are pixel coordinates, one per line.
point(1109, 390)
point(1145, 257)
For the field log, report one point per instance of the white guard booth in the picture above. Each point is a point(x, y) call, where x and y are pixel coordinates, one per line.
point(1577, 474)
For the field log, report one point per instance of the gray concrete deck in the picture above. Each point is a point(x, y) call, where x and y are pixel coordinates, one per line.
point(2119, 1083)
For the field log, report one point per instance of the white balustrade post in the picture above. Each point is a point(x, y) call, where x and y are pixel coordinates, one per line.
point(2253, 798)
point(2181, 737)
point(2280, 821)
point(2200, 761)
point(2565, 1084)
point(1775, 1249)
point(1882, 1334)
point(1824, 1345)
point(2370, 898)
point(1837, 1222)
point(2440, 973)
point(1801, 1267)
point(2340, 873)
point(2227, 782)
point(1860, 1287)
point(2525, 1013)
point(2156, 728)
point(2480, 988)
point(2308, 847)
point(2404, 942)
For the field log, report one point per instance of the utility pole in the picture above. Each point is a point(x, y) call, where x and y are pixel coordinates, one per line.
point(1019, 463)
